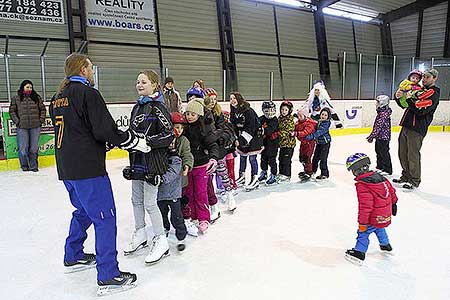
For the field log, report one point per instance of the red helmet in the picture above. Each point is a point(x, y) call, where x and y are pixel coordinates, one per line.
point(178, 118)
point(415, 72)
point(289, 105)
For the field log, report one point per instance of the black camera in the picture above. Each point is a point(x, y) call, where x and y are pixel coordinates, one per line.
point(127, 173)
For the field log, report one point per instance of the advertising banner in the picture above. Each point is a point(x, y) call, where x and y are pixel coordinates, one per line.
point(42, 11)
point(136, 15)
point(353, 115)
point(46, 139)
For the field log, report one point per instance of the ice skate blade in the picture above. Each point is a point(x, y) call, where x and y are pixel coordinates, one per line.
point(141, 246)
point(114, 289)
point(231, 211)
point(78, 268)
point(354, 260)
point(248, 189)
point(215, 219)
point(150, 263)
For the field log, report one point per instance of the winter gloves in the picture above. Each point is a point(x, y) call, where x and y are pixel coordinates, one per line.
point(394, 209)
point(211, 166)
point(135, 142)
point(362, 228)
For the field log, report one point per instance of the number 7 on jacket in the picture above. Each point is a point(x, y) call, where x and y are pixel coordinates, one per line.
point(59, 122)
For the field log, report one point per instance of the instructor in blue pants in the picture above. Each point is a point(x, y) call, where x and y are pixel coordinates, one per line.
point(83, 128)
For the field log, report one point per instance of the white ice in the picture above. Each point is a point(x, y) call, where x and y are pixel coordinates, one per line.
point(283, 242)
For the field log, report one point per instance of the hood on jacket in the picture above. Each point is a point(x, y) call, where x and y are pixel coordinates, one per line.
point(376, 181)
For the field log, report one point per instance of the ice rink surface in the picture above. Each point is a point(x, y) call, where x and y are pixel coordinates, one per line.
point(283, 242)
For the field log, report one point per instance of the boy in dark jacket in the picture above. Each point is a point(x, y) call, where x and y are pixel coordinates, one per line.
point(382, 133)
point(377, 203)
point(269, 123)
point(323, 140)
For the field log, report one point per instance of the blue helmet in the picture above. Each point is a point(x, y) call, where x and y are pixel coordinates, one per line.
point(196, 92)
point(357, 161)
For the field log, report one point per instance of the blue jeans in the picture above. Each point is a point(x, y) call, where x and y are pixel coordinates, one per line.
point(362, 240)
point(253, 164)
point(28, 142)
point(94, 203)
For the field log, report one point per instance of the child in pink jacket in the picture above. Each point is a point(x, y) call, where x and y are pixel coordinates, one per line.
point(377, 203)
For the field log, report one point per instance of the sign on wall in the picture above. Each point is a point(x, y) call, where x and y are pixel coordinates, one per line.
point(46, 139)
point(42, 11)
point(353, 115)
point(136, 15)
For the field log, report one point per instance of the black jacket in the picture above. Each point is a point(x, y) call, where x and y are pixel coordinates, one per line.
point(247, 127)
point(203, 143)
point(224, 135)
point(270, 135)
point(153, 121)
point(83, 125)
point(419, 119)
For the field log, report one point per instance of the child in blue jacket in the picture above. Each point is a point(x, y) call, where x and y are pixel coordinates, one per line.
point(323, 140)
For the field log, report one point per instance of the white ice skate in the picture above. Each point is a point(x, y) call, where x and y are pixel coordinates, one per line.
point(138, 241)
point(254, 184)
point(214, 212)
point(231, 202)
point(192, 230)
point(283, 178)
point(241, 180)
point(158, 249)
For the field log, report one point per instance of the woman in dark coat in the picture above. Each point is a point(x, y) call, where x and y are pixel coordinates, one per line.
point(27, 111)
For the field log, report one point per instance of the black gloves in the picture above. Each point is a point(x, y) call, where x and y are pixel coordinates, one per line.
point(394, 209)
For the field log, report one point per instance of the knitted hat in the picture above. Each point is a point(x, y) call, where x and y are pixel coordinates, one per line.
point(178, 118)
point(196, 105)
point(431, 72)
point(198, 93)
point(303, 110)
point(168, 79)
point(210, 92)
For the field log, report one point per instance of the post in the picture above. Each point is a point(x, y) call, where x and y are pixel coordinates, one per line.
point(375, 87)
point(413, 63)
point(224, 85)
point(359, 75)
point(44, 86)
point(432, 62)
point(166, 72)
point(393, 75)
point(96, 70)
point(271, 86)
point(344, 62)
point(311, 81)
point(8, 78)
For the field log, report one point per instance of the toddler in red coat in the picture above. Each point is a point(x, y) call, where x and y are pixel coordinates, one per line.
point(377, 202)
point(304, 127)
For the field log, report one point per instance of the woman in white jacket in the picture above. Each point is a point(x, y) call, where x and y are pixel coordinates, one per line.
point(318, 99)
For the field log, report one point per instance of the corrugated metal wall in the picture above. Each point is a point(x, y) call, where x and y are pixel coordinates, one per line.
point(253, 27)
point(433, 34)
point(296, 75)
point(404, 35)
point(254, 78)
point(186, 66)
point(296, 32)
point(368, 38)
point(119, 67)
point(339, 36)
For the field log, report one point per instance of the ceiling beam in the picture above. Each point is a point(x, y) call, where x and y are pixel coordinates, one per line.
point(325, 3)
point(408, 10)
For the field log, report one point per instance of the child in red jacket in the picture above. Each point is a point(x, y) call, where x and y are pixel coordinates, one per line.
point(377, 203)
point(303, 127)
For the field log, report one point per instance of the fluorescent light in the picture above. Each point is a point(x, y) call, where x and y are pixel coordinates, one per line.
point(422, 67)
point(344, 14)
point(292, 2)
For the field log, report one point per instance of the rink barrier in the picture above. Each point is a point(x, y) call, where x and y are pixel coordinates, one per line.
point(47, 161)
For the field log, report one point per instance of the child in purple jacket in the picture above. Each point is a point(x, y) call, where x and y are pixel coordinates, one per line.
point(381, 132)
